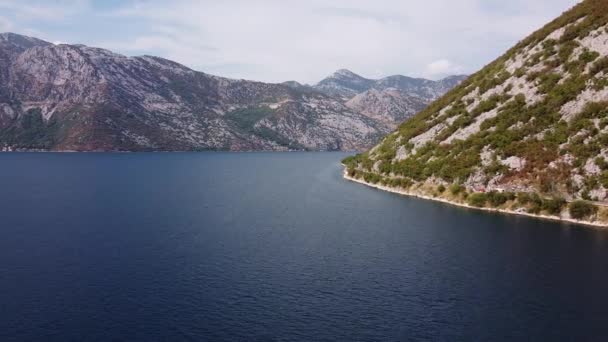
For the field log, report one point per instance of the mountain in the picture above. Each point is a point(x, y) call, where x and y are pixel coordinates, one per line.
point(389, 106)
point(347, 84)
point(298, 86)
point(75, 97)
point(528, 133)
point(344, 83)
point(419, 87)
point(11, 45)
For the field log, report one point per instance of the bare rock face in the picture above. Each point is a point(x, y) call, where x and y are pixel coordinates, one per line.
point(75, 97)
point(390, 106)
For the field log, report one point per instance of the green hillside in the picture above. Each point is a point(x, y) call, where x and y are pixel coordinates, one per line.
point(529, 132)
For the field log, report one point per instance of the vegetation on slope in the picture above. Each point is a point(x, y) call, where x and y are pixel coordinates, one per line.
point(247, 118)
point(528, 131)
point(30, 131)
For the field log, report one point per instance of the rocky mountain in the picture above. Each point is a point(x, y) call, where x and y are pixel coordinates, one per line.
point(389, 106)
point(298, 86)
point(344, 83)
point(347, 84)
point(527, 133)
point(75, 97)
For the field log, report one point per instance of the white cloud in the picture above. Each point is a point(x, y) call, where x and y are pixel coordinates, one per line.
point(5, 24)
point(442, 67)
point(29, 17)
point(43, 10)
point(278, 40)
point(275, 40)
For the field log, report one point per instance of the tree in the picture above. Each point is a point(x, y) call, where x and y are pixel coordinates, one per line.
point(582, 209)
point(478, 199)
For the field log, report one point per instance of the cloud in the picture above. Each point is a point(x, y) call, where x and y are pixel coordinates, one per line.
point(33, 17)
point(278, 40)
point(5, 24)
point(443, 67)
point(358, 13)
point(305, 41)
point(43, 10)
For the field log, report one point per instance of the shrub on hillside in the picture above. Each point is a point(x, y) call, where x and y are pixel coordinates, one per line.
point(523, 198)
point(372, 178)
point(477, 199)
point(497, 199)
point(582, 209)
point(456, 189)
point(553, 206)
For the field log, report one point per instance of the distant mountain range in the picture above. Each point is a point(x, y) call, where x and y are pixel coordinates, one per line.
point(75, 97)
point(347, 84)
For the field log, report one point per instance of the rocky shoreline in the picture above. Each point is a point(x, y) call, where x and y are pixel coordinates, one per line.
point(594, 224)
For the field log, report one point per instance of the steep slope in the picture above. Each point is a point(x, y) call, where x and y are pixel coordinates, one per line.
point(74, 97)
point(527, 133)
point(12, 45)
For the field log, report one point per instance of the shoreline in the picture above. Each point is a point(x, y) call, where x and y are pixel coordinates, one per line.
point(589, 224)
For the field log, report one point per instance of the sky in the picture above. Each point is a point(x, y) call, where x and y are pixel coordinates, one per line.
point(280, 40)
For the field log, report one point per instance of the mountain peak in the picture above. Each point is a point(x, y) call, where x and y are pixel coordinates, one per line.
point(451, 77)
point(344, 83)
point(341, 73)
point(21, 41)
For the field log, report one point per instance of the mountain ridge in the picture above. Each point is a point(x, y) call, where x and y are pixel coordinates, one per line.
point(76, 97)
point(346, 83)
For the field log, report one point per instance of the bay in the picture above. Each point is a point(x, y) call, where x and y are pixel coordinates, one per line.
point(275, 247)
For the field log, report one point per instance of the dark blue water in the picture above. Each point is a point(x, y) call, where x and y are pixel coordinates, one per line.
point(275, 247)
